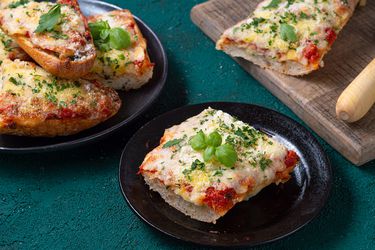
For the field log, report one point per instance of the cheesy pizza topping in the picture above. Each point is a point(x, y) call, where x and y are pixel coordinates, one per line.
point(297, 30)
point(112, 62)
point(9, 49)
point(57, 28)
point(215, 155)
point(29, 91)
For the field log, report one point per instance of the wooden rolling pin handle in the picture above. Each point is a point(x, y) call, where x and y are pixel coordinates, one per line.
point(358, 97)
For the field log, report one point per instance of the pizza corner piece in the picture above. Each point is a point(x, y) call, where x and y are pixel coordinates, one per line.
point(212, 161)
point(288, 36)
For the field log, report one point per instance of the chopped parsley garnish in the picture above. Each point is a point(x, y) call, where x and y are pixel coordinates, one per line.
point(273, 4)
point(264, 163)
point(172, 143)
point(195, 165)
point(254, 23)
point(48, 21)
point(18, 3)
point(16, 82)
point(58, 35)
point(218, 173)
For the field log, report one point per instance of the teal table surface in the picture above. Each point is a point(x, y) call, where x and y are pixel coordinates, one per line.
point(71, 199)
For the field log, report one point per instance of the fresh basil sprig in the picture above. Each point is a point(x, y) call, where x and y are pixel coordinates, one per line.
point(213, 149)
point(106, 38)
point(49, 20)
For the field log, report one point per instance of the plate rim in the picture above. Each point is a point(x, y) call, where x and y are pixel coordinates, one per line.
point(106, 132)
point(317, 212)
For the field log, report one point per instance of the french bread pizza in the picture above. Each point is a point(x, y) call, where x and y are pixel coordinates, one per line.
point(9, 49)
point(212, 161)
point(33, 102)
point(288, 36)
point(55, 35)
point(122, 60)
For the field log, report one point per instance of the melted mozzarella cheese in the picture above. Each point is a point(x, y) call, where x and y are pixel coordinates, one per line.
point(66, 37)
point(32, 84)
point(172, 165)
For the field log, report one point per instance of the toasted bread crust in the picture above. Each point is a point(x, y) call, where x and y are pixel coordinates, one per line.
point(48, 128)
point(292, 68)
point(65, 68)
point(201, 213)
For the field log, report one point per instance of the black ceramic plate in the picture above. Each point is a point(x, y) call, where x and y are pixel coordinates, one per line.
point(274, 213)
point(134, 102)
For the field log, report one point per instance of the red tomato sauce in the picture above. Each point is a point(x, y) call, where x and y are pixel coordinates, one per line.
point(291, 159)
point(330, 35)
point(220, 200)
point(311, 52)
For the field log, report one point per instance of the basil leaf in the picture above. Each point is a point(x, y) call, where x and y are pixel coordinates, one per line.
point(172, 143)
point(273, 4)
point(208, 154)
point(119, 38)
point(226, 154)
point(49, 20)
point(214, 139)
point(104, 34)
point(97, 27)
point(288, 33)
point(198, 142)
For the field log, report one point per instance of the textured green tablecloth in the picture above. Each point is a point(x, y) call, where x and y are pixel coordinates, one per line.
point(71, 199)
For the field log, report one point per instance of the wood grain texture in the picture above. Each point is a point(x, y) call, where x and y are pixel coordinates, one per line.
point(313, 97)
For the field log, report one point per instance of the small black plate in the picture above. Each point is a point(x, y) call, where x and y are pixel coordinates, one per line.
point(277, 211)
point(134, 102)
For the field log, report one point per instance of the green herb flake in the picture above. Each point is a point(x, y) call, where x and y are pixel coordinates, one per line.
point(273, 4)
point(264, 163)
point(171, 143)
point(15, 4)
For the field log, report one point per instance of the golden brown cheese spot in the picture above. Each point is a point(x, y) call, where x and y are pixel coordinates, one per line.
point(29, 91)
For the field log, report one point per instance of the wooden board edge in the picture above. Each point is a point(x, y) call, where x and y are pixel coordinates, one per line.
point(353, 153)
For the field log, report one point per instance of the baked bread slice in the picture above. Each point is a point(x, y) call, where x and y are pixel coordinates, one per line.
point(212, 161)
point(35, 103)
point(290, 37)
point(56, 36)
point(126, 68)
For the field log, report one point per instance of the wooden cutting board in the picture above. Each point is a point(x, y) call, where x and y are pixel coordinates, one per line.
point(313, 97)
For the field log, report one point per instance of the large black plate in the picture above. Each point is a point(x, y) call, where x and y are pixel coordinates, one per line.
point(274, 213)
point(134, 102)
